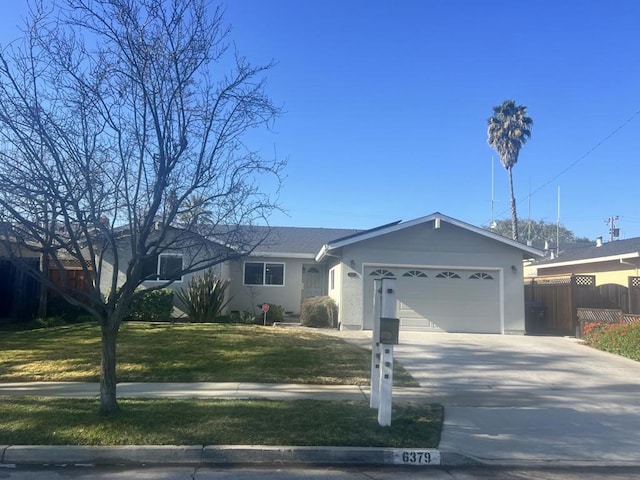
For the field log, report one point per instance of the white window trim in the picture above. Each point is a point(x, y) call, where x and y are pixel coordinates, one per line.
point(158, 279)
point(264, 274)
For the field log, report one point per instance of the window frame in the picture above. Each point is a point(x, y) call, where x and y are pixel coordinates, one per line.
point(170, 255)
point(264, 274)
point(158, 263)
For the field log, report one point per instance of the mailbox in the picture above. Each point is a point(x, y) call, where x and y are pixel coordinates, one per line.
point(389, 330)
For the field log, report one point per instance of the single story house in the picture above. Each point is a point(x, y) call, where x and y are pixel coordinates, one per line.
point(616, 262)
point(451, 276)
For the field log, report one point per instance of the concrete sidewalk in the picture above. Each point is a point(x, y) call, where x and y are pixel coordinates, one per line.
point(189, 390)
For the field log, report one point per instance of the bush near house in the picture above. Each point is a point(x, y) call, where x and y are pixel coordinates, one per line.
point(152, 306)
point(320, 312)
point(619, 338)
point(58, 307)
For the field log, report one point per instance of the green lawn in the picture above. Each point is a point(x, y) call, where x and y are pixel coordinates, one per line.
point(59, 421)
point(188, 353)
point(202, 352)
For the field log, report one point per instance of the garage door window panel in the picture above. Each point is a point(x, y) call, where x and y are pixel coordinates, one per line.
point(447, 275)
point(415, 274)
point(382, 272)
point(480, 276)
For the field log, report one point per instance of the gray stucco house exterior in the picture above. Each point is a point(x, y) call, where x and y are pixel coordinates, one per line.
point(450, 276)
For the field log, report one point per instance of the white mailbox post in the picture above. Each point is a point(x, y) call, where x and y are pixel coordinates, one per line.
point(374, 399)
point(384, 336)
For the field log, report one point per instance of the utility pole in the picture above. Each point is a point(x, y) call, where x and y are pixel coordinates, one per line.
point(614, 232)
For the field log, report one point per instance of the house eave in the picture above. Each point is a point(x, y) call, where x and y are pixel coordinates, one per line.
point(584, 261)
point(527, 251)
point(309, 256)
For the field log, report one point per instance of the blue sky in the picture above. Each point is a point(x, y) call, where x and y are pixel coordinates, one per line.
point(386, 105)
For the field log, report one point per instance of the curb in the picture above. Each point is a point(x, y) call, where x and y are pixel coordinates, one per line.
point(213, 454)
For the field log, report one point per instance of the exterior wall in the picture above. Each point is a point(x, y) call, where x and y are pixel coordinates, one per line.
point(248, 298)
point(425, 246)
point(336, 290)
point(605, 272)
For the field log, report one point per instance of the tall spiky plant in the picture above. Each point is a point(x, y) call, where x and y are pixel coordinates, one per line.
point(509, 129)
point(204, 297)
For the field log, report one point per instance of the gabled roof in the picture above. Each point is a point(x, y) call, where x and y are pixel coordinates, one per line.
point(437, 218)
point(616, 250)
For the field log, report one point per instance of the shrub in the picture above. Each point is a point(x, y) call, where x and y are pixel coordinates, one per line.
point(243, 317)
point(50, 322)
point(275, 314)
point(152, 305)
point(59, 307)
point(321, 312)
point(619, 338)
point(204, 297)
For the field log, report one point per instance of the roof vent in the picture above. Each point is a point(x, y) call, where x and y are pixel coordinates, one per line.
point(598, 241)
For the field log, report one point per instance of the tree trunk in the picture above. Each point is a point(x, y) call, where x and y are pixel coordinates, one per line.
point(44, 290)
point(514, 215)
point(108, 400)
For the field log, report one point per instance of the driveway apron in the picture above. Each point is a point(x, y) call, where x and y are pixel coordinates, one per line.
point(515, 399)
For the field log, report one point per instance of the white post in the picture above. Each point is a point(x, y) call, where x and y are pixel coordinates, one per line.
point(388, 309)
point(374, 397)
point(386, 385)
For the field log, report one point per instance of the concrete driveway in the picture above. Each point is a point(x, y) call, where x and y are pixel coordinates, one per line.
point(515, 399)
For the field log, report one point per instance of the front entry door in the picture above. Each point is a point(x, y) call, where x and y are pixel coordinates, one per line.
point(313, 280)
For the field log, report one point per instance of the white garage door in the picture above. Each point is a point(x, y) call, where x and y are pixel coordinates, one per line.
point(451, 300)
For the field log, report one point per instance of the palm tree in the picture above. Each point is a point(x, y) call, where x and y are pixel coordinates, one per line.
point(509, 129)
point(196, 212)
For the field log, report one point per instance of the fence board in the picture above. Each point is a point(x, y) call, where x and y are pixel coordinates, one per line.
point(634, 295)
point(561, 296)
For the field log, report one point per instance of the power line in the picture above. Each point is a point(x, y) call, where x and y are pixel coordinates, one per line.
point(585, 155)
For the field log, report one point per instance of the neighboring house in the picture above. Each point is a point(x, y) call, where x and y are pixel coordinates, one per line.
point(451, 276)
point(616, 262)
point(19, 291)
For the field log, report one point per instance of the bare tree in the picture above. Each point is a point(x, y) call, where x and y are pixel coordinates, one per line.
point(113, 115)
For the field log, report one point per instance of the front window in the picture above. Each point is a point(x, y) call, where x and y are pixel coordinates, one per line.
point(260, 273)
point(163, 268)
point(170, 267)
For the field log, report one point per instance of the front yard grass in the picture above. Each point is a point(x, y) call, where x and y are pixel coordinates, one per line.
point(162, 352)
point(62, 421)
point(202, 353)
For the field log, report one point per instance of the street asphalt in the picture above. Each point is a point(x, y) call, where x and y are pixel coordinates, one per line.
point(508, 400)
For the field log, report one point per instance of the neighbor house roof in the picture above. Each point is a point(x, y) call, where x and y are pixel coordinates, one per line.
point(616, 250)
point(437, 218)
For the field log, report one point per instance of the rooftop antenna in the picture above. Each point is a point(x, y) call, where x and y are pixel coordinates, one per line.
point(614, 232)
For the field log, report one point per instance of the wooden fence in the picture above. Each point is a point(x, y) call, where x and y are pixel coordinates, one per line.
point(602, 315)
point(552, 302)
point(71, 279)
